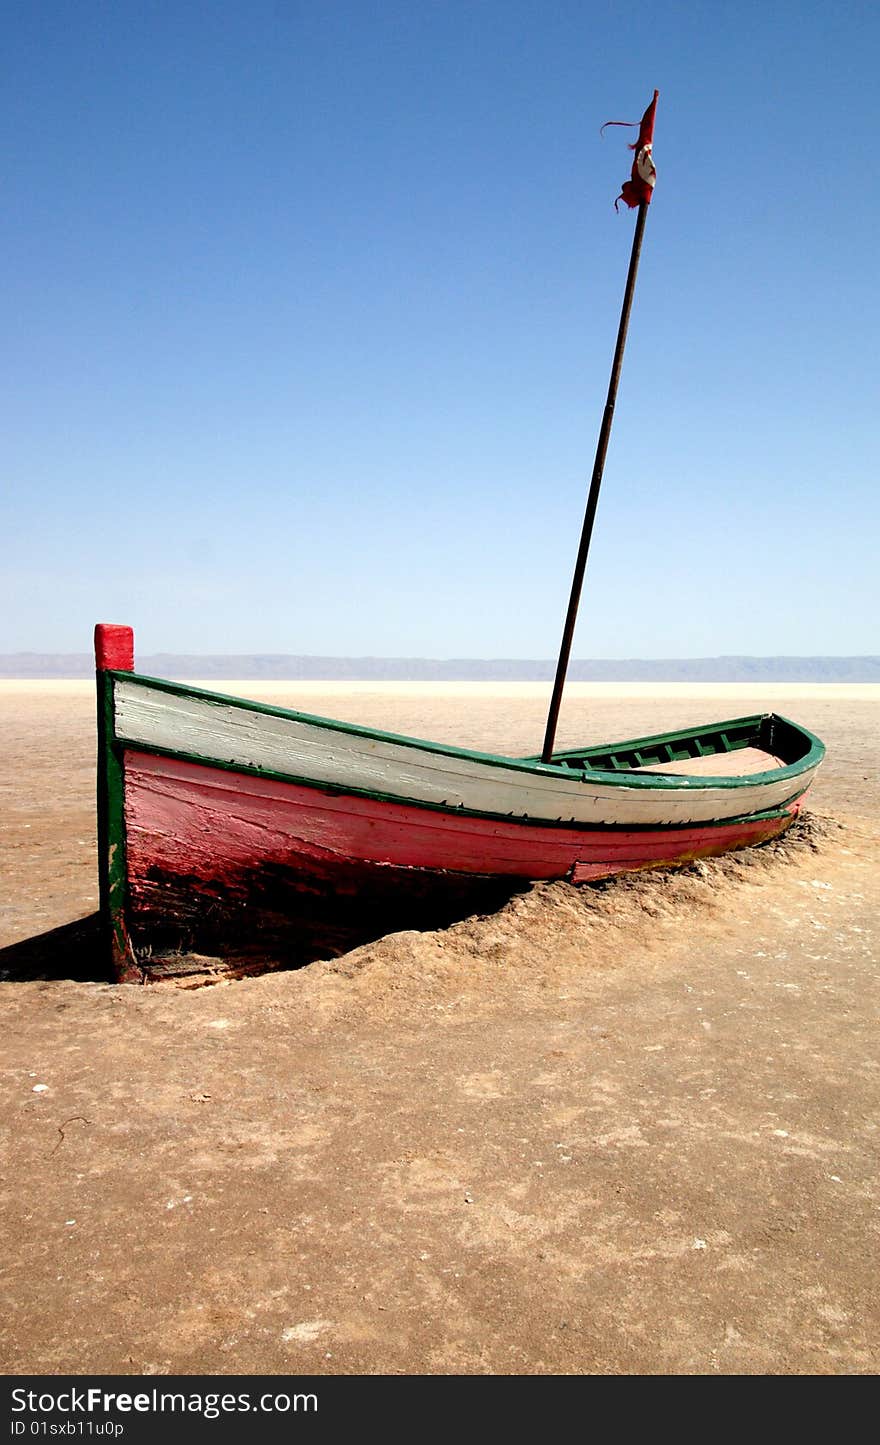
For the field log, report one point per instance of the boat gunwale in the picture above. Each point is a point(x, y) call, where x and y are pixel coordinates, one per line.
point(656, 782)
point(339, 790)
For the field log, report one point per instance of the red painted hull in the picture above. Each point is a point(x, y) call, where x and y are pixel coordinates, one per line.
point(208, 844)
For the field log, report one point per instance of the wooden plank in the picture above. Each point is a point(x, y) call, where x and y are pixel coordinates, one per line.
point(190, 819)
point(298, 749)
point(114, 647)
point(738, 763)
point(219, 861)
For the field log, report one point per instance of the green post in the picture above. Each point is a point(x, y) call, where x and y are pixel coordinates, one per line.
point(114, 651)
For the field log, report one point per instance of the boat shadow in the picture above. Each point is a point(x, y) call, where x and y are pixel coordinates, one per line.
point(72, 951)
point(288, 940)
point(282, 930)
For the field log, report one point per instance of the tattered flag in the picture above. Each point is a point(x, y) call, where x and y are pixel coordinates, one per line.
point(640, 186)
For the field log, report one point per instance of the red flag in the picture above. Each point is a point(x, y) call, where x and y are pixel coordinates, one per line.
point(640, 186)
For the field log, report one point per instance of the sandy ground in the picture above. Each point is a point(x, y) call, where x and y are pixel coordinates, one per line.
point(630, 1128)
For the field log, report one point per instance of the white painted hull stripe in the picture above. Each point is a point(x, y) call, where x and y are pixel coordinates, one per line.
point(218, 731)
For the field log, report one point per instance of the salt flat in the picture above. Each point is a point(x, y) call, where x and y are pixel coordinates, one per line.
point(621, 1129)
point(269, 689)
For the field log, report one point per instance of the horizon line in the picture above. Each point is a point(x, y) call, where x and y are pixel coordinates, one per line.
point(299, 667)
point(450, 657)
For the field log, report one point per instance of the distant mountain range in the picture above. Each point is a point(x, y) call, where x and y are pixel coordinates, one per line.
point(271, 666)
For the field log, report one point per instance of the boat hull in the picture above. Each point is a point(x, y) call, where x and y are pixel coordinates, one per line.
point(249, 832)
point(227, 732)
point(227, 862)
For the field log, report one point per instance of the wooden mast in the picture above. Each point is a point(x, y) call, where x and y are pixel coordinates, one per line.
point(639, 185)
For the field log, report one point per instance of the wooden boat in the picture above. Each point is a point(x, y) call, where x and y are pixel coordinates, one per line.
point(256, 836)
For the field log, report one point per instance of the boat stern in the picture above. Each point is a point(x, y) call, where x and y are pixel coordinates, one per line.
point(114, 652)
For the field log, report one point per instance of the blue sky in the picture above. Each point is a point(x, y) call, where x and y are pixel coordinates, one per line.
point(309, 312)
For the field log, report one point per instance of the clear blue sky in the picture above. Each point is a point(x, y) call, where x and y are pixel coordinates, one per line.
point(309, 311)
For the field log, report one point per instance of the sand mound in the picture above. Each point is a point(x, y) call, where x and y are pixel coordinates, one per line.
point(553, 932)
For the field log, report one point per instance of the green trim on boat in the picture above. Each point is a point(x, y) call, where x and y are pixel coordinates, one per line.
point(762, 724)
point(339, 790)
point(112, 864)
point(767, 731)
